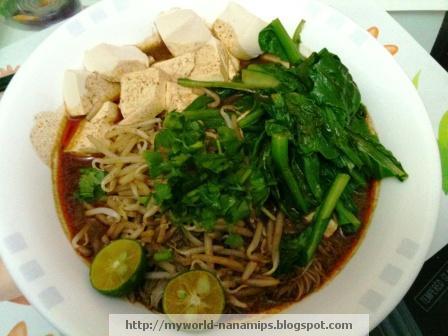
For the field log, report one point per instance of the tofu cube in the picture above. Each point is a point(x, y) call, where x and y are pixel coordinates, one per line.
point(178, 97)
point(85, 92)
point(214, 63)
point(142, 95)
point(182, 30)
point(113, 62)
point(238, 30)
point(96, 127)
point(177, 67)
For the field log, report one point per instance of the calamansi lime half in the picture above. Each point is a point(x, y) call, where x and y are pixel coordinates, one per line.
point(194, 292)
point(118, 267)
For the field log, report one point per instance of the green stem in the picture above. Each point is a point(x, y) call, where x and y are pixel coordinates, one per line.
point(259, 80)
point(205, 114)
point(287, 43)
point(201, 84)
point(279, 148)
point(251, 118)
point(296, 37)
point(323, 216)
point(347, 220)
point(251, 80)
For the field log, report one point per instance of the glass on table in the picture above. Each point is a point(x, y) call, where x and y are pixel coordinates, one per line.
point(38, 13)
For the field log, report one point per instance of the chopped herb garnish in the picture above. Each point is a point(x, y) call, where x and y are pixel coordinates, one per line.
point(163, 255)
point(234, 240)
point(89, 185)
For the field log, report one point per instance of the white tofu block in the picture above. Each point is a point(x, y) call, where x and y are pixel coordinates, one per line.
point(182, 30)
point(238, 30)
point(178, 97)
point(214, 63)
point(96, 127)
point(142, 95)
point(45, 133)
point(177, 67)
point(114, 61)
point(85, 92)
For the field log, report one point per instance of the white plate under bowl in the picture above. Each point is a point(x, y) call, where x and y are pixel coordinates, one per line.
point(55, 279)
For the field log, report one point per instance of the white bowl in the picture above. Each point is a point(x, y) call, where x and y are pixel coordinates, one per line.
point(55, 279)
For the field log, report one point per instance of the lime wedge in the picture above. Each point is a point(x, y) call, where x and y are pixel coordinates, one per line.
point(194, 292)
point(118, 268)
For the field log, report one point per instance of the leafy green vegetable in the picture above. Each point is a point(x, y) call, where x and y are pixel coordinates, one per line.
point(334, 86)
point(274, 39)
point(348, 221)
point(234, 240)
point(296, 132)
point(281, 159)
point(89, 185)
point(443, 147)
point(250, 80)
point(259, 80)
point(296, 37)
point(383, 157)
point(299, 251)
point(162, 192)
point(203, 180)
point(163, 254)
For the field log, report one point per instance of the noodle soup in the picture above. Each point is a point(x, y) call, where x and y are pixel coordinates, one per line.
point(254, 163)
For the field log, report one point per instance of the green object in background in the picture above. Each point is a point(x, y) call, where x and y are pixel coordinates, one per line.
point(443, 147)
point(416, 79)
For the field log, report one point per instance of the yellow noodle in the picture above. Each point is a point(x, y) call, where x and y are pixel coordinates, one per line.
point(166, 266)
point(250, 268)
point(230, 263)
point(263, 282)
point(278, 229)
point(236, 302)
point(255, 240)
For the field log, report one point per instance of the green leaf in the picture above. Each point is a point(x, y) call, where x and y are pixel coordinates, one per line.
point(155, 162)
point(296, 37)
point(274, 39)
point(258, 188)
point(214, 162)
point(313, 131)
point(334, 86)
point(162, 192)
point(234, 240)
point(270, 43)
point(208, 219)
point(384, 158)
point(89, 185)
point(163, 254)
point(230, 143)
point(238, 212)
